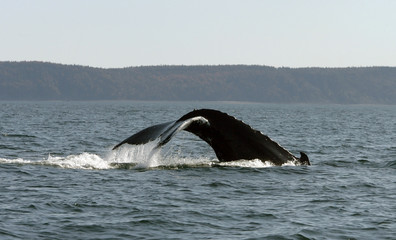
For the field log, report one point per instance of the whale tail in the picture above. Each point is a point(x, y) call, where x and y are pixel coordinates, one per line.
point(230, 138)
point(304, 159)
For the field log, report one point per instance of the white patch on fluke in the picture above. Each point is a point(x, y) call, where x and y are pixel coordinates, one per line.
point(169, 133)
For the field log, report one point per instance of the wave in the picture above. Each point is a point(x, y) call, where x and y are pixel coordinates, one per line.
point(135, 157)
point(17, 135)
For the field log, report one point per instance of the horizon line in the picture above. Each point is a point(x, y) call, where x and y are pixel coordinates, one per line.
point(190, 65)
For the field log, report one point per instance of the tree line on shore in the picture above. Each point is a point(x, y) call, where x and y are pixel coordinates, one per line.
point(50, 81)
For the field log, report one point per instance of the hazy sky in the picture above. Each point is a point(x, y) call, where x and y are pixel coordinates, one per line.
point(115, 33)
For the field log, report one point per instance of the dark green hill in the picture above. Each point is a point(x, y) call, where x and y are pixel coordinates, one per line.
point(48, 81)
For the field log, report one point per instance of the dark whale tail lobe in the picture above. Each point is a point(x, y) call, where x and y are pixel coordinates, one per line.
point(147, 135)
point(304, 160)
point(230, 138)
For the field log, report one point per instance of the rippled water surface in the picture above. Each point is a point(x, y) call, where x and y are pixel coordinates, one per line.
point(59, 178)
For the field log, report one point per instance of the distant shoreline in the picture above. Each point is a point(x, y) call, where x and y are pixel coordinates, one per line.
point(45, 81)
point(195, 102)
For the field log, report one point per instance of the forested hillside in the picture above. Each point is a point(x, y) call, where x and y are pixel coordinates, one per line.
point(48, 81)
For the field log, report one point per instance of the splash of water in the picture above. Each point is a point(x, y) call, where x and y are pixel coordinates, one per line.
point(78, 161)
point(137, 157)
point(141, 156)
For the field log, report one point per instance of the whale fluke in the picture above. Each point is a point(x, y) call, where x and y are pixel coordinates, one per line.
point(230, 138)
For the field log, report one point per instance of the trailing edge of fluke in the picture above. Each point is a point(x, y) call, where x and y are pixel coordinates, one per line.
point(230, 138)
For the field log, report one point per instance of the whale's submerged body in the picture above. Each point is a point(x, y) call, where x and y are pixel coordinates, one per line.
point(230, 138)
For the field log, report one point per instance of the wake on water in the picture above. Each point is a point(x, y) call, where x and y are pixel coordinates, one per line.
point(145, 156)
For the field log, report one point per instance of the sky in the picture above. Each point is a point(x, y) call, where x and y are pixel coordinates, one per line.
point(279, 33)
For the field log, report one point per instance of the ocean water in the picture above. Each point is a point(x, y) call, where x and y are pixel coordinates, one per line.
point(59, 178)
